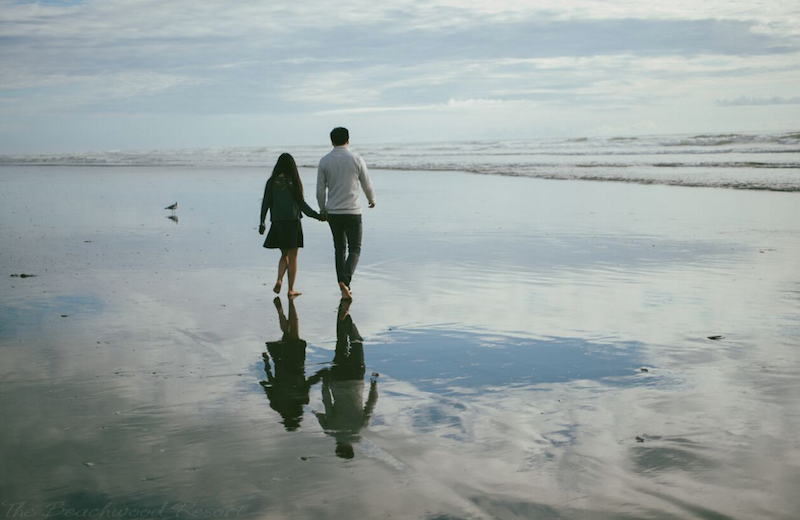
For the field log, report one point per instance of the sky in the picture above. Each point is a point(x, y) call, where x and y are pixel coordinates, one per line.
point(144, 74)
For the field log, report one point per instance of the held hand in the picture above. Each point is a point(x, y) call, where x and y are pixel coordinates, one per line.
point(261, 229)
point(323, 217)
point(371, 205)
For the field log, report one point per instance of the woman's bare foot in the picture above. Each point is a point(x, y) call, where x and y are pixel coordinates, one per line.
point(346, 294)
point(277, 288)
point(294, 294)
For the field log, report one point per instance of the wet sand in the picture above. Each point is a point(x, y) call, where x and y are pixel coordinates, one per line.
point(509, 320)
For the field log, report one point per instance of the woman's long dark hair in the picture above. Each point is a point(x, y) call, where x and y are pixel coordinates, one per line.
point(288, 167)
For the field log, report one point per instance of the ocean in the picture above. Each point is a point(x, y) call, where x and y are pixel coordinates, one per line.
point(750, 161)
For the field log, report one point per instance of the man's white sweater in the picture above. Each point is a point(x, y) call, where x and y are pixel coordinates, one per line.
point(338, 176)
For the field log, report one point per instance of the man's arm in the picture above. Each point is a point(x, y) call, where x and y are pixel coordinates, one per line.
point(327, 398)
point(322, 188)
point(366, 184)
point(372, 400)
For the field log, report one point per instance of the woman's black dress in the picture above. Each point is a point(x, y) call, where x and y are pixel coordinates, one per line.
point(285, 231)
point(284, 234)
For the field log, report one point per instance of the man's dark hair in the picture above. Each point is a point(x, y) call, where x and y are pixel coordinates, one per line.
point(345, 451)
point(339, 136)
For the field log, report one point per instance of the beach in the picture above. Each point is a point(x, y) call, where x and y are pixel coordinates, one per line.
point(541, 348)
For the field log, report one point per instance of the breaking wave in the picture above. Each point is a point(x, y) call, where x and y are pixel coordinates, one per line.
point(731, 160)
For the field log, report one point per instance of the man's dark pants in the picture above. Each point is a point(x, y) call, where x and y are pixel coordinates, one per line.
point(346, 230)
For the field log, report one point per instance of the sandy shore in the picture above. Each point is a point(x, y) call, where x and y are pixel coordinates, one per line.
point(509, 319)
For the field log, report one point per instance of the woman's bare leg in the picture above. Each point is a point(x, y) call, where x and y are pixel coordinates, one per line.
point(281, 316)
point(291, 255)
point(293, 329)
point(283, 263)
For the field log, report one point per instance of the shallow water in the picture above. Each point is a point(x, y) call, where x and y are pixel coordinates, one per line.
point(508, 320)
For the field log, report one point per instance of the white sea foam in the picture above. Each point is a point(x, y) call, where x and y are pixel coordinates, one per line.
point(743, 161)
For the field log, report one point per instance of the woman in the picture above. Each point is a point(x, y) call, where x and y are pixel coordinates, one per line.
point(286, 386)
point(283, 196)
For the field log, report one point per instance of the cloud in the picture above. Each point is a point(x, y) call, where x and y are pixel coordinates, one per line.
point(475, 103)
point(65, 93)
point(742, 101)
point(373, 110)
point(218, 58)
point(451, 104)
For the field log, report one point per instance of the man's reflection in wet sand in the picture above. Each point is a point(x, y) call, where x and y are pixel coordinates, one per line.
point(343, 387)
point(287, 389)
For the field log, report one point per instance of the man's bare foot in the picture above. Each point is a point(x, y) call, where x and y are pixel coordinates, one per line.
point(344, 309)
point(346, 294)
point(277, 288)
point(294, 294)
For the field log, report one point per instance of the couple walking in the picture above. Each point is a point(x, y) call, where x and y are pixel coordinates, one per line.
point(339, 175)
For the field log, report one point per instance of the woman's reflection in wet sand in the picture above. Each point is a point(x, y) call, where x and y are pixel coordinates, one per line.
point(343, 387)
point(287, 389)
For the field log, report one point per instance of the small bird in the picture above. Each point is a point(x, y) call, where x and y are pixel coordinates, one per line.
point(715, 338)
point(173, 207)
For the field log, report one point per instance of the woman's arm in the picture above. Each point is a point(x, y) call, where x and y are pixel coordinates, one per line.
point(309, 211)
point(266, 202)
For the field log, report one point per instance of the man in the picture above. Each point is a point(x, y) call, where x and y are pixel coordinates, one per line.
point(345, 413)
point(338, 178)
